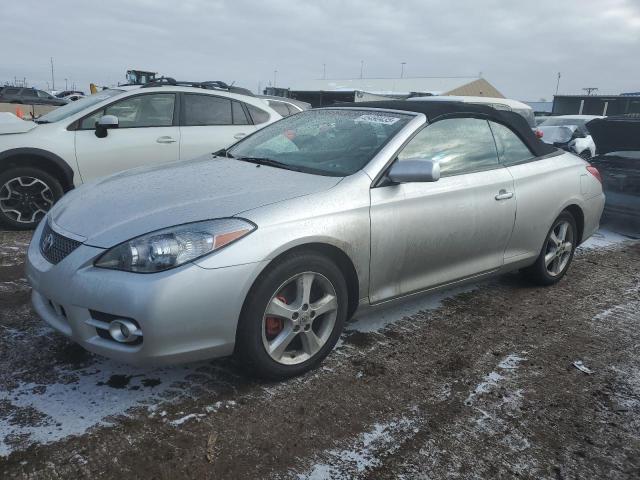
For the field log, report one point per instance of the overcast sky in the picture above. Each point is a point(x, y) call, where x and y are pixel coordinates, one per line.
point(519, 46)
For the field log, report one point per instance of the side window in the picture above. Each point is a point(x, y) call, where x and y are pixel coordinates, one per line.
point(459, 145)
point(151, 110)
point(27, 92)
point(202, 110)
point(511, 149)
point(10, 91)
point(258, 115)
point(42, 94)
point(239, 116)
point(279, 107)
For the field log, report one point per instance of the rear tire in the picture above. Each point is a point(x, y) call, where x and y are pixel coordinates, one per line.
point(277, 312)
point(557, 252)
point(26, 195)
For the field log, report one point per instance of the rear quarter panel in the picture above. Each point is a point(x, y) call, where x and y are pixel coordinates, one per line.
point(544, 188)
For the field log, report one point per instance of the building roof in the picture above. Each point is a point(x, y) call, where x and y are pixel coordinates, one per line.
point(541, 106)
point(435, 111)
point(381, 86)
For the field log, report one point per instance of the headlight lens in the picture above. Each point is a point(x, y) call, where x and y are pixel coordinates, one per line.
point(174, 246)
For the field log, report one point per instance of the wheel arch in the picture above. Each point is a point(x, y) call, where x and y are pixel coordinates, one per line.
point(335, 254)
point(578, 215)
point(38, 158)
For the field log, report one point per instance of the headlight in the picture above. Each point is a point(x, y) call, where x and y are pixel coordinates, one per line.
point(174, 246)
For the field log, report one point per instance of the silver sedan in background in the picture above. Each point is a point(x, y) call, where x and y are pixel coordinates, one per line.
point(267, 248)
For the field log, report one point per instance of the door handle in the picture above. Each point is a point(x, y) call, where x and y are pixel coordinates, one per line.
point(504, 195)
point(238, 136)
point(165, 139)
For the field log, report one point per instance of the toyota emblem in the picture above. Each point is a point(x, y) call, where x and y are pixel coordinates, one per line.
point(47, 243)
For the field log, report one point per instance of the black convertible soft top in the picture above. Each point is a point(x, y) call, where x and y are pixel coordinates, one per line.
point(435, 111)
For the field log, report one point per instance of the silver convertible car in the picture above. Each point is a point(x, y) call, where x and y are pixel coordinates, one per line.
point(266, 249)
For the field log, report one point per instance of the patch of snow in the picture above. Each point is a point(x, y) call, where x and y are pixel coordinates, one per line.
point(186, 418)
point(365, 453)
point(220, 405)
point(490, 381)
point(604, 238)
point(83, 398)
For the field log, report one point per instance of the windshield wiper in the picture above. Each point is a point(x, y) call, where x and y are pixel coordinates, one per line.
point(269, 162)
point(40, 122)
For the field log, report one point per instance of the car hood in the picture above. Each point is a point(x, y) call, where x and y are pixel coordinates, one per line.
point(125, 205)
point(9, 123)
point(615, 134)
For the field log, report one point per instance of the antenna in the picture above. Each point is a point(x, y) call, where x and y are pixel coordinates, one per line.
point(53, 82)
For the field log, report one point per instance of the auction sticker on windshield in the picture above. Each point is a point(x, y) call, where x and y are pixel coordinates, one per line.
point(384, 119)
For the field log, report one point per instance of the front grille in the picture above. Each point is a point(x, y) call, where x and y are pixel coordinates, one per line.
point(55, 247)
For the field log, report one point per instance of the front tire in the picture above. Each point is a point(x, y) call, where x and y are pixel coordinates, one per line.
point(557, 252)
point(26, 195)
point(293, 316)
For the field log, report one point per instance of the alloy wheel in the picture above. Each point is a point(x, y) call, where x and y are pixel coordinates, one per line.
point(559, 248)
point(25, 199)
point(299, 318)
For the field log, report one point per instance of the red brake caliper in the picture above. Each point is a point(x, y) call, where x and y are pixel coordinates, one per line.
point(274, 325)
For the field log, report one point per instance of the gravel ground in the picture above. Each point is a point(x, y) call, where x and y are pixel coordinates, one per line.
point(476, 382)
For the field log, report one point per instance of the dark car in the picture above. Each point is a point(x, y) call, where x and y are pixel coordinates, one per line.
point(66, 93)
point(617, 140)
point(29, 96)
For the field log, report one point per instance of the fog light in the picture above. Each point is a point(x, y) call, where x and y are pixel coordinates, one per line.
point(124, 331)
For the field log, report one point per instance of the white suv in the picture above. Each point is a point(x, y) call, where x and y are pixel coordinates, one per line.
point(116, 130)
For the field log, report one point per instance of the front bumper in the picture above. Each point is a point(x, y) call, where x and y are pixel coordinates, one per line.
point(186, 314)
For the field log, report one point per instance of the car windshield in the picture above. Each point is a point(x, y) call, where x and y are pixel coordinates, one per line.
point(331, 142)
point(74, 107)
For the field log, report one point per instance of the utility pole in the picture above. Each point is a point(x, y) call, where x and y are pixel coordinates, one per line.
point(66, 86)
point(558, 83)
point(402, 69)
point(53, 82)
point(324, 71)
point(361, 67)
point(275, 75)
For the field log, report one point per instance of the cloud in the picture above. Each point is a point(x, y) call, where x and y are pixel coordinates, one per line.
point(518, 46)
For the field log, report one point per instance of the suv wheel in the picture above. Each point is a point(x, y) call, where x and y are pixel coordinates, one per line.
point(293, 316)
point(26, 195)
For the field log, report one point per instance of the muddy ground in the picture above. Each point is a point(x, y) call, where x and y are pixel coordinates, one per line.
point(472, 383)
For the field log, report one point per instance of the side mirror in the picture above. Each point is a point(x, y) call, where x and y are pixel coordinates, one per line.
point(408, 171)
point(105, 123)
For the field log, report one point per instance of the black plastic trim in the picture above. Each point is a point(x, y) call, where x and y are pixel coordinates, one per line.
point(67, 171)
